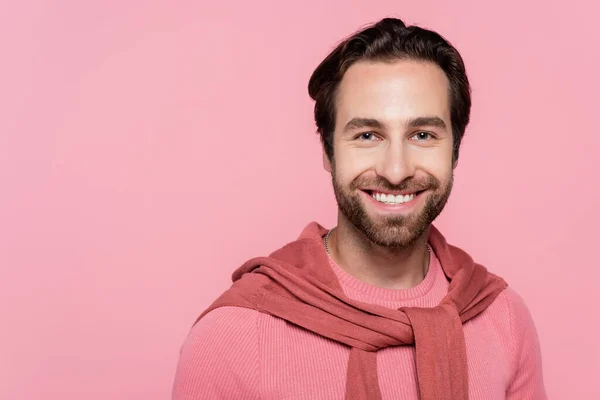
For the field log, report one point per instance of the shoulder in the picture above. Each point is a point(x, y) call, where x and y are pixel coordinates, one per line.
point(510, 320)
point(517, 313)
point(227, 324)
point(219, 359)
point(512, 312)
point(526, 379)
point(522, 327)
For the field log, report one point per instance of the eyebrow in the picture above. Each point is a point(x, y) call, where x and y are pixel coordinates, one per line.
point(357, 123)
point(427, 121)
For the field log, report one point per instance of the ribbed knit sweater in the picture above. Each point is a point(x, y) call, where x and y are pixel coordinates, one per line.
point(239, 353)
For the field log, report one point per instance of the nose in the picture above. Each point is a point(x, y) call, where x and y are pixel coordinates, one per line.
point(396, 163)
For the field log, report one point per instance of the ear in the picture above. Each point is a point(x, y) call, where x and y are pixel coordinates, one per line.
point(455, 164)
point(326, 162)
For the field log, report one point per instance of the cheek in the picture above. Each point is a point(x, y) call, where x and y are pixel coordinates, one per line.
point(443, 173)
point(437, 162)
point(350, 163)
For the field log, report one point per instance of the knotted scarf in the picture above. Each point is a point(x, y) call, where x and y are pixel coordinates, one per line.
point(296, 283)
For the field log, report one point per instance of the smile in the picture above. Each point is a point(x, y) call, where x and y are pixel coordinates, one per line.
point(390, 198)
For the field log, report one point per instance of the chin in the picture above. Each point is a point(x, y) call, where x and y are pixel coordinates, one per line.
point(386, 233)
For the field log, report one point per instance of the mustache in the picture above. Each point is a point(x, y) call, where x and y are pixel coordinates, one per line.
point(411, 185)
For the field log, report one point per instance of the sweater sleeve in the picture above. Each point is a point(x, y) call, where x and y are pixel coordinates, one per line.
point(527, 381)
point(219, 358)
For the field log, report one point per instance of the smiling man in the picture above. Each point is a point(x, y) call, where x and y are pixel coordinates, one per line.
point(380, 306)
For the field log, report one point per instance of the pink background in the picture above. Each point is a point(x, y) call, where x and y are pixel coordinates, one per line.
point(148, 148)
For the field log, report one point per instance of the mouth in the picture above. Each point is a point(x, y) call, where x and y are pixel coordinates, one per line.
point(392, 198)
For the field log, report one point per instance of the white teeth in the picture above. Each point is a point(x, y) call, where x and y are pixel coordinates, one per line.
point(391, 199)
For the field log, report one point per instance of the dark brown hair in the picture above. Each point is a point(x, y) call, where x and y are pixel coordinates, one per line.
point(388, 40)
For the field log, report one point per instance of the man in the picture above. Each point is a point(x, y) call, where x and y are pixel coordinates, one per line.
point(380, 307)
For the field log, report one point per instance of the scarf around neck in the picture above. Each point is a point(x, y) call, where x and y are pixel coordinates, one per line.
point(296, 283)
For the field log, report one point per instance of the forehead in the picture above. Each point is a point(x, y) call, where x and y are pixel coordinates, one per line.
point(393, 91)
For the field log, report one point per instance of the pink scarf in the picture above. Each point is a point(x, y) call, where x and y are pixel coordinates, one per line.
point(297, 284)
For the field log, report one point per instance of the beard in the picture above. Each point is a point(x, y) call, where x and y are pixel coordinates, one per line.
point(392, 231)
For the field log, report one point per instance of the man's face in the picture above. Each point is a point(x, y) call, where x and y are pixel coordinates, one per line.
point(392, 168)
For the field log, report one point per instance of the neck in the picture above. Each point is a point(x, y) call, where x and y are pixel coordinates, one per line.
point(392, 268)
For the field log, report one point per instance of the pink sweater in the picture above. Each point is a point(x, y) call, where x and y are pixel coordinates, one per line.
point(238, 353)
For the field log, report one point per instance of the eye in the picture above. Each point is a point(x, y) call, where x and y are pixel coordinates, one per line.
point(423, 136)
point(367, 136)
